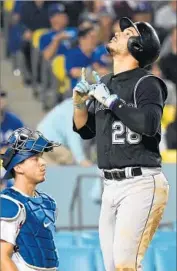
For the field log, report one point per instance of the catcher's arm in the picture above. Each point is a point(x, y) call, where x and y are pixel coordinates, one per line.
point(6, 262)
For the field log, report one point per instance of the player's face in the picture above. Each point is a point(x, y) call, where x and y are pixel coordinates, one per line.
point(118, 44)
point(59, 21)
point(34, 169)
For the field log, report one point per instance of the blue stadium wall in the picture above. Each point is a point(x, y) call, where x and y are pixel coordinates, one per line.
point(60, 183)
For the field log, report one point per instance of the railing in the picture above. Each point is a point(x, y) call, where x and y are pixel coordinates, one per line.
point(77, 198)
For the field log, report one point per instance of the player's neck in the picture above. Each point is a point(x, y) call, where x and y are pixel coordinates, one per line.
point(122, 64)
point(25, 187)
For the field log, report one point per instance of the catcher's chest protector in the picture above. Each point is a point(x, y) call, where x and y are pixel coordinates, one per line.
point(35, 242)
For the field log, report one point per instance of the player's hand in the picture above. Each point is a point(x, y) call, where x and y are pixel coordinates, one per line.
point(101, 93)
point(82, 86)
point(80, 91)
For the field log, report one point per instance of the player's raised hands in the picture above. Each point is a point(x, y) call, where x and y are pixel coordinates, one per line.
point(82, 86)
point(80, 91)
point(96, 77)
point(83, 74)
point(101, 92)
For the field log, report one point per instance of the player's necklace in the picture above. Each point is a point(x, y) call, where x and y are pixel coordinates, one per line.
point(34, 194)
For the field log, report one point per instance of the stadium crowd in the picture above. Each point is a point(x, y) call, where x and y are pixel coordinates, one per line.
point(48, 42)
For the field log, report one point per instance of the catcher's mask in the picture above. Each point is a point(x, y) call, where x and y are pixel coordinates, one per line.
point(22, 144)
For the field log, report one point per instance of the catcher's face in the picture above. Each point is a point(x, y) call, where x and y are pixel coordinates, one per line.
point(33, 169)
point(118, 44)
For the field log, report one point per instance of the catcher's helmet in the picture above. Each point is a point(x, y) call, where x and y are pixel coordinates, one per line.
point(145, 47)
point(22, 144)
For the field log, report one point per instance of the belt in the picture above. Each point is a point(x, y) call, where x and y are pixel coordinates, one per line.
point(121, 174)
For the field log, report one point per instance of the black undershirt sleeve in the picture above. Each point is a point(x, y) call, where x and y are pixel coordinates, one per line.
point(88, 131)
point(146, 118)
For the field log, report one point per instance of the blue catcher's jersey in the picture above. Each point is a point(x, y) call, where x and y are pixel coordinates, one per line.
point(35, 241)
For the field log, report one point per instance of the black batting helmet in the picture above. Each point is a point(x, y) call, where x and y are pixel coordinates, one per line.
point(146, 47)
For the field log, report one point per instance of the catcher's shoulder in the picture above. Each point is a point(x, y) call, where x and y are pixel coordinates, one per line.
point(10, 208)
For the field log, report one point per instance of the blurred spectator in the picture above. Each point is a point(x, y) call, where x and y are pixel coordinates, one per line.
point(82, 55)
point(171, 135)
point(4, 183)
point(9, 121)
point(91, 10)
point(74, 9)
point(158, 4)
point(143, 12)
point(17, 11)
point(172, 91)
point(86, 23)
point(105, 23)
point(102, 60)
point(99, 5)
point(14, 37)
point(51, 42)
point(171, 100)
point(168, 63)
point(123, 8)
point(57, 126)
point(34, 15)
point(115, 27)
point(165, 17)
point(166, 46)
point(1, 15)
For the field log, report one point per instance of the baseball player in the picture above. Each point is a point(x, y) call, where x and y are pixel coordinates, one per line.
point(27, 216)
point(125, 114)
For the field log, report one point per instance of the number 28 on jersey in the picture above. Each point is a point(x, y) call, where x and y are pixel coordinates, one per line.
point(122, 134)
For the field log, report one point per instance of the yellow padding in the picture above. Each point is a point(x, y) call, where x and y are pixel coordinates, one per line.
point(169, 156)
point(168, 115)
point(8, 5)
point(59, 71)
point(1, 163)
point(58, 67)
point(37, 35)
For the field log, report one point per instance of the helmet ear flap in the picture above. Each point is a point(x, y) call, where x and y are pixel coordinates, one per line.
point(7, 157)
point(135, 45)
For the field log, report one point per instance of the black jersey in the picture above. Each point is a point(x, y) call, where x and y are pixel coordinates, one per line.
point(120, 141)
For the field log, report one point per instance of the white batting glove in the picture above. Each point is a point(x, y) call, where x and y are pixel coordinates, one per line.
point(82, 86)
point(101, 93)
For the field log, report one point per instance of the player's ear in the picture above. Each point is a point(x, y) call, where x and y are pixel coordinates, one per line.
point(19, 168)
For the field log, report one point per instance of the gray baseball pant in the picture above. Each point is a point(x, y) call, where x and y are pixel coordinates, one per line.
point(130, 214)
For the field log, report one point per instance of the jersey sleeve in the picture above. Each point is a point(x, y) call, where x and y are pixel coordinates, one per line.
point(151, 91)
point(149, 99)
point(12, 217)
